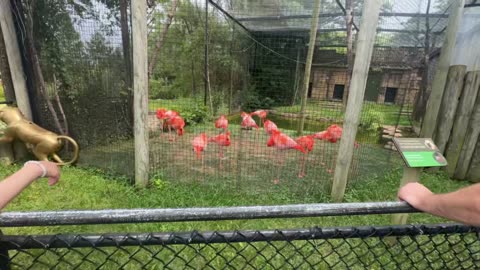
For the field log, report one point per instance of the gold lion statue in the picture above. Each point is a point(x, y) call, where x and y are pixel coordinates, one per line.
point(41, 142)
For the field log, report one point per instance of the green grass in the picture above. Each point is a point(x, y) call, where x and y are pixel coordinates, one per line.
point(178, 104)
point(88, 189)
point(333, 111)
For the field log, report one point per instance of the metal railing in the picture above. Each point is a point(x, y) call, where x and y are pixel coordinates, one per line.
point(440, 246)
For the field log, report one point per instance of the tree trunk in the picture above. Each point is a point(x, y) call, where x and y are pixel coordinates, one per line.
point(126, 42)
point(349, 24)
point(59, 104)
point(5, 75)
point(161, 39)
point(37, 70)
point(421, 100)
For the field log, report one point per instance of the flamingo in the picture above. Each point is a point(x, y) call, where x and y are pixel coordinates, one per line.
point(282, 142)
point(262, 114)
point(307, 142)
point(222, 140)
point(222, 122)
point(247, 121)
point(269, 127)
point(332, 134)
point(177, 123)
point(199, 144)
point(163, 114)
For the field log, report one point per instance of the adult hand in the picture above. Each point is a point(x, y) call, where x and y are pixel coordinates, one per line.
point(416, 194)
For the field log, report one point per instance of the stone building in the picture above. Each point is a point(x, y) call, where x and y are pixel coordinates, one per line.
point(394, 76)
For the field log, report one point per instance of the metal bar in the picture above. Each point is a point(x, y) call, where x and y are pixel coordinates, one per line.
point(306, 30)
point(328, 15)
point(228, 15)
point(109, 216)
point(187, 238)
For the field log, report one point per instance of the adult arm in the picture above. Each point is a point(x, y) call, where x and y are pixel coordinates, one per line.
point(11, 186)
point(462, 205)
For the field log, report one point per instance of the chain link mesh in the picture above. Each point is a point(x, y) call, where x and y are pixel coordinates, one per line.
point(389, 247)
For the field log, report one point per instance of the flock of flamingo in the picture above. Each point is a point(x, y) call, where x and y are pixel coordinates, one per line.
point(172, 120)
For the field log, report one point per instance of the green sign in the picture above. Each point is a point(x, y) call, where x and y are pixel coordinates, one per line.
point(419, 152)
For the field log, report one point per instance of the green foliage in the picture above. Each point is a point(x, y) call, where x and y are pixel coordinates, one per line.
point(193, 111)
point(159, 89)
point(252, 101)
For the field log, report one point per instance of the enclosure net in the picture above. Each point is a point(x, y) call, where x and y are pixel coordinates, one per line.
point(213, 58)
point(81, 84)
point(256, 55)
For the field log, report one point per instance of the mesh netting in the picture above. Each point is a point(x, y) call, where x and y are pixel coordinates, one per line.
point(254, 59)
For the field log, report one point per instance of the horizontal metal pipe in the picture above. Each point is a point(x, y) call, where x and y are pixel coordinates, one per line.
point(211, 237)
point(109, 216)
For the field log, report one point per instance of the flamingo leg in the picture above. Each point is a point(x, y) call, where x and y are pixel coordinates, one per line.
point(161, 129)
point(301, 174)
point(220, 153)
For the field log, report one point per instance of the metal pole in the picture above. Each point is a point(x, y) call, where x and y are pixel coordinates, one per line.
point(109, 216)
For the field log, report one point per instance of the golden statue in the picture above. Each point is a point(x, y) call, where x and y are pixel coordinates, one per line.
point(41, 142)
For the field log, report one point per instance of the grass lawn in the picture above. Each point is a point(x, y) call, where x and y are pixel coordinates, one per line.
point(87, 189)
point(385, 114)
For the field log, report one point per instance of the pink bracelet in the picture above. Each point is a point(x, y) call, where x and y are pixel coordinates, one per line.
point(44, 170)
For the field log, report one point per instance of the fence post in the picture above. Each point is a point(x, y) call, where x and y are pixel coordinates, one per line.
point(140, 91)
point(438, 85)
point(366, 39)
point(464, 111)
point(14, 59)
point(471, 138)
point(308, 64)
point(446, 115)
point(410, 175)
point(4, 257)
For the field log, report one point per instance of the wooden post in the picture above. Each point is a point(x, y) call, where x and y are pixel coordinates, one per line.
point(462, 116)
point(471, 138)
point(365, 41)
point(308, 64)
point(14, 59)
point(140, 94)
point(410, 175)
point(446, 116)
point(474, 168)
point(438, 86)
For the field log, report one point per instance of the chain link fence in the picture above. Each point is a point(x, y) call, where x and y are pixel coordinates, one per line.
point(388, 247)
point(436, 246)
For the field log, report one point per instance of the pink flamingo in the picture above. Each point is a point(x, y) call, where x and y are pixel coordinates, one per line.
point(199, 144)
point(282, 142)
point(262, 114)
point(269, 127)
point(177, 123)
point(307, 142)
point(247, 121)
point(222, 122)
point(222, 140)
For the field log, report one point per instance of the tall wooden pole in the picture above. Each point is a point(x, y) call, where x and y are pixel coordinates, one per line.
point(14, 59)
point(365, 41)
point(308, 64)
point(140, 91)
point(440, 78)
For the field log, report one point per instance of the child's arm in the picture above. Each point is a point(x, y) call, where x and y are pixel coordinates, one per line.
point(15, 183)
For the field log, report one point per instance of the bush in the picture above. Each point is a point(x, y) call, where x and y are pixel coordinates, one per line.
point(159, 90)
point(253, 101)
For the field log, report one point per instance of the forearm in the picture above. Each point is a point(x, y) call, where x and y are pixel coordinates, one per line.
point(462, 205)
point(15, 183)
